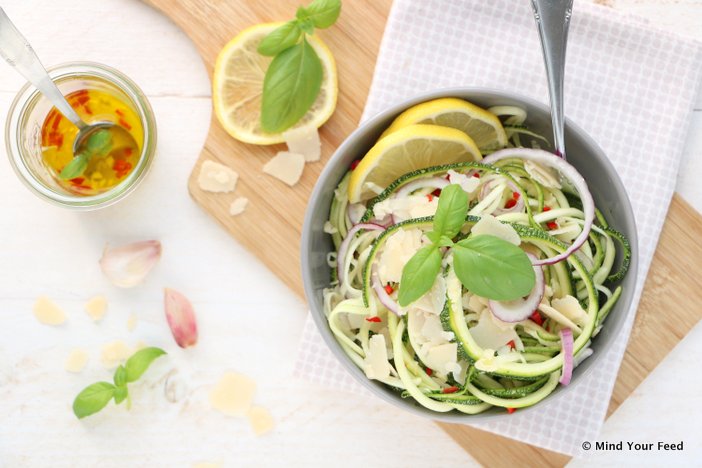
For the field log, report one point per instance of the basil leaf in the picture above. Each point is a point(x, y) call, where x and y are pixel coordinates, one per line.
point(493, 268)
point(419, 274)
point(120, 394)
point(451, 212)
point(92, 399)
point(75, 167)
point(280, 39)
point(120, 377)
point(140, 361)
point(291, 85)
point(323, 13)
point(307, 26)
point(98, 142)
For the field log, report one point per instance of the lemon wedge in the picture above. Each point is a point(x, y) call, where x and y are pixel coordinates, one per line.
point(482, 126)
point(408, 149)
point(237, 87)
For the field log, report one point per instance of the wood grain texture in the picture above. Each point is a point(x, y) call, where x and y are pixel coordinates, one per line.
point(271, 226)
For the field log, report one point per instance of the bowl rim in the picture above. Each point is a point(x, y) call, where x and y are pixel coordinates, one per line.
point(381, 390)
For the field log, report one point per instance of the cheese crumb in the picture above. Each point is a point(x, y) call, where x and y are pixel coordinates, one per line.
point(218, 178)
point(47, 312)
point(132, 322)
point(238, 206)
point(304, 141)
point(260, 419)
point(286, 166)
point(114, 353)
point(489, 225)
point(76, 361)
point(96, 308)
point(233, 394)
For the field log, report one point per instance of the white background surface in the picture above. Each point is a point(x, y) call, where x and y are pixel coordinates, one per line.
point(249, 322)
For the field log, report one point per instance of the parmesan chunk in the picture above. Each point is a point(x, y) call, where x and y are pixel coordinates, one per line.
point(260, 419)
point(286, 166)
point(441, 358)
point(489, 225)
point(216, 177)
point(113, 353)
point(304, 141)
point(96, 308)
point(433, 300)
point(76, 361)
point(375, 364)
point(47, 312)
point(543, 175)
point(238, 206)
point(233, 394)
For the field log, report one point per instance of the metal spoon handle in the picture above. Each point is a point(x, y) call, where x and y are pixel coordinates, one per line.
point(553, 19)
point(15, 49)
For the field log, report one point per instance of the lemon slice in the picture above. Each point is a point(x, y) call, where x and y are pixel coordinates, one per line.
point(405, 150)
point(237, 87)
point(482, 126)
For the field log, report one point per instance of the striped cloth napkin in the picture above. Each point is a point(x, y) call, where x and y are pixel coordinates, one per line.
point(630, 86)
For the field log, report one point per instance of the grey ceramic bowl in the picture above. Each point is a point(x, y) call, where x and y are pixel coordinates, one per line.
point(583, 153)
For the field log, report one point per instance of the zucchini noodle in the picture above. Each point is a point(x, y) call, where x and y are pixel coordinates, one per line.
point(447, 351)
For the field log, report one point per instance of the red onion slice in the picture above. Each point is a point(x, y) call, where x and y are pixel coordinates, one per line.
point(344, 247)
point(432, 182)
point(521, 309)
point(567, 351)
point(551, 160)
point(382, 294)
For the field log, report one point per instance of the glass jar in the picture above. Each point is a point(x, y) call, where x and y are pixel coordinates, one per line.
point(30, 108)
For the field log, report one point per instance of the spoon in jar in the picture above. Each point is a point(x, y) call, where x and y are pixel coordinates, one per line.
point(552, 20)
point(17, 51)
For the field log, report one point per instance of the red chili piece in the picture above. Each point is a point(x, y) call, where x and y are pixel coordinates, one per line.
point(547, 208)
point(355, 164)
point(511, 344)
point(536, 317)
point(437, 192)
point(373, 319)
point(430, 197)
point(515, 195)
point(429, 371)
point(510, 203)
point(124, 124)
point(389, 289)
point(552, 225)
point(450, 390)
point(511, 410)
point(476, 175)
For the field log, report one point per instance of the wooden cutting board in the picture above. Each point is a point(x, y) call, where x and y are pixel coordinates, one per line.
point(272, 223)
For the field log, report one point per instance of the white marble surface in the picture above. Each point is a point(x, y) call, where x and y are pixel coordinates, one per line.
point(249, 321)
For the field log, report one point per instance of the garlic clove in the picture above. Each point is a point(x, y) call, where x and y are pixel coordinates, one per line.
point(128, 265)
point(181, 318)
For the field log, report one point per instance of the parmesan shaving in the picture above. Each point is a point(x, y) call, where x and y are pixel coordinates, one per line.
point(286, 166)
point(376, 365)
point(113, 353)
point(260, 419)
point(398, 250)
point(489, 225)
point(238, 206)
point(47, 312)
point(96, 308)
point(76, 361)
point(216, 177)
point(304, 141)
point(233, 394)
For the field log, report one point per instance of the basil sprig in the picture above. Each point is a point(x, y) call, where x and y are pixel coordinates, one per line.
point(95, 397)
point(294, 77)
point(486, 265)
point(98, 142)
